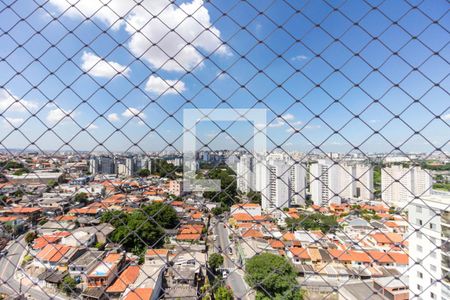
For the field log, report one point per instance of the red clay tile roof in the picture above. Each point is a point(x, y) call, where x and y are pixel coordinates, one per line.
point(84, 211)
point(189, 237)
point(65, 218)
point(243, 217)
point(126, 278)
point(349, 256)
point(112, 258)
point(388, 238)
point(276, 244)
point(25, 210)
point(243, 205)
point(252, 233)
point(299, 252)
point(53, 253)
point(288, 236)
point(44, 240)
point(8, 219)
point(139, 294)
point(157, 252)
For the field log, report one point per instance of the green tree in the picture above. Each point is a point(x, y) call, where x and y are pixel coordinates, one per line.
point(163, 214)
point(30, 237)
point(314, 221)
point(68, 285)
point(217, 210)
point(215, 261)
point(254, 197)
point(144, 173)
point(273, 277)
point(52, 183)
point(223, 293)
point(164, 169)
point(228, 193)
point(20, 172)
point(142, 227)
point(81, 198)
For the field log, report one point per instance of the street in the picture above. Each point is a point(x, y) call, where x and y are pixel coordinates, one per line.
point(235, 278)
point(8, 267)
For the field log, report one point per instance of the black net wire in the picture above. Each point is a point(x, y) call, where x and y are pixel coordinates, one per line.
point(315, 164)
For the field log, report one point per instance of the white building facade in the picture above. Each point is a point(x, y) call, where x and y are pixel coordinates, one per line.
point(282, 182)
point(331, 182)
point(399, 185)
point(429, 247)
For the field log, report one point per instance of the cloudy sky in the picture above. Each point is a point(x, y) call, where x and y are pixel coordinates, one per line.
point(331, 74)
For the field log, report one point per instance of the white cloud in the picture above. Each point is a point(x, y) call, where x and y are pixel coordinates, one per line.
point(13, 121)
point(290, 129)
point(169, 41)
point(158, 86)
point(277, 123)
point(132, 112)
point(96, 66)
point(220, 75)
point(313, 127)
point(446, 117)
point(57, 114)
point(288, 117)
point(92, 127)
point(299, 57)
point(296, 126)
point(113, 117)
point(12, 103)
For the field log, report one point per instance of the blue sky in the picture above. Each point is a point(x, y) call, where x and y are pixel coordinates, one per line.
point(110, 70)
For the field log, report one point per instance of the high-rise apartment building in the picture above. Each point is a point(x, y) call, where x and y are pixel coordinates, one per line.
point(101, 165)
point(282, 182)
point(429, 247)
point(106, 165)
point(245, 173)
point(297, 183)
point(399, 185)
point(93, 165)
point(130, 166)
point(275, 194)
point(331, 182)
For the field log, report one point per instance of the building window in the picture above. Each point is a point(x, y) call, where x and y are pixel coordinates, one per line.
point(419, 248)
point(432, 226)
point(418, 209)
point(419, 235)
point(433, 268)
point(420, 275)
point(432, 295)
point(419, 222)
point(419, 287)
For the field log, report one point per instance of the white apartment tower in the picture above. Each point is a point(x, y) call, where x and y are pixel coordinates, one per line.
point(282, 182)
point(331, 182)
point(400, 185)
point(324, 185)
point(93, 165)
point(297, 183)
point(429, 247)
point(129, 166)
point(245, 173)
point(275, 193)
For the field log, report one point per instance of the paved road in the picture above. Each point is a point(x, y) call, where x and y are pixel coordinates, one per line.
point(236, 277)
point(12, 286)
